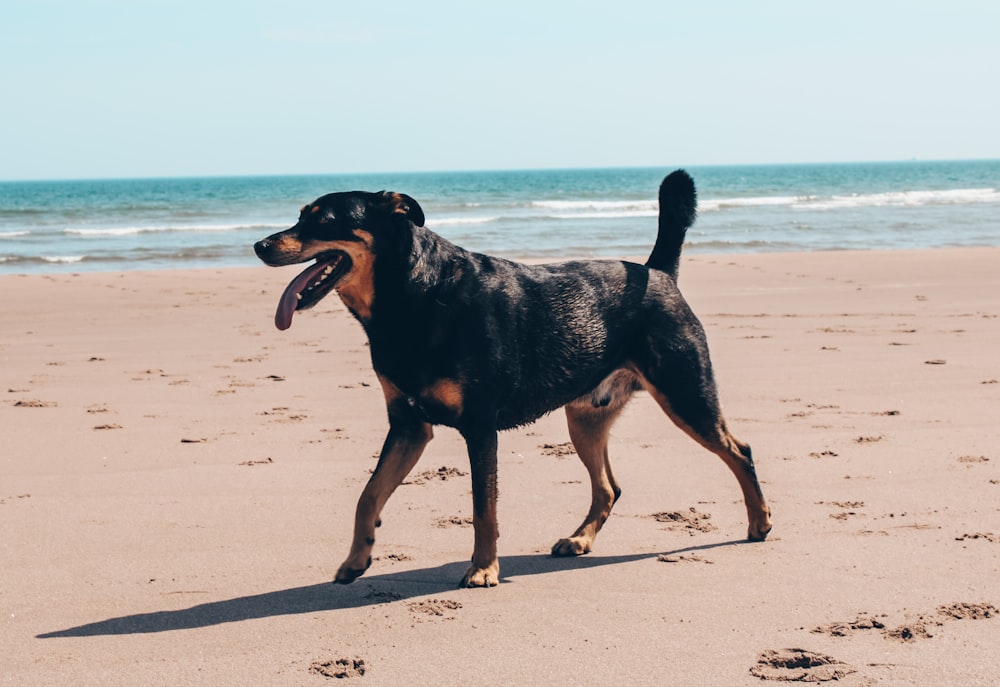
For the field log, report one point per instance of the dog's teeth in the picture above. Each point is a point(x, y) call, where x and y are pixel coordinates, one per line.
point(298, 296)
point(328, 271)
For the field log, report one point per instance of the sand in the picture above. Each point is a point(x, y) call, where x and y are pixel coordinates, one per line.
point(178, 481)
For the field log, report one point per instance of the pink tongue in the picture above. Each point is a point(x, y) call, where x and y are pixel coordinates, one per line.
point(290, 298)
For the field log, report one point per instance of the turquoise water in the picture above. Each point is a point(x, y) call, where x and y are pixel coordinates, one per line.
point(57, 226)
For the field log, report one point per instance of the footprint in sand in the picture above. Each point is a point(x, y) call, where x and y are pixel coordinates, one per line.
point(690, 521)
point(799, 665)
point(438, 608)
point(251, 463)
point(849, 508)
point(985, 536)
point(973, 460)
point(558, 450)
point(381, 596)
point(824, 454)
point(34, 403)
point(664, 558)
point(915, 627)
point(19, 496)
point(863, 622)
point(339, 668)
point(440, 475)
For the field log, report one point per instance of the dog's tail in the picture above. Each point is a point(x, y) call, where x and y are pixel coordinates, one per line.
point(678, 208)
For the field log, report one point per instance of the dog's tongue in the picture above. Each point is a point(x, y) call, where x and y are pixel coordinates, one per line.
point(289, 301)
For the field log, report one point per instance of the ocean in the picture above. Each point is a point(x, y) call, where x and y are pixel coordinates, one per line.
point(138, 224)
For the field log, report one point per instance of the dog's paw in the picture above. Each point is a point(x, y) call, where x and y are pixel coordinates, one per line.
point(481, 577)
point(347, 574)
point(572, 546)
point(758, 533)
point(760, 524)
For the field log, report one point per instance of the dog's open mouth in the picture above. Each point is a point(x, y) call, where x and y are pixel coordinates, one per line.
point(312, 284)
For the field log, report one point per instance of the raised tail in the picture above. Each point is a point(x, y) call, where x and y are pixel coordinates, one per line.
point(678, 208)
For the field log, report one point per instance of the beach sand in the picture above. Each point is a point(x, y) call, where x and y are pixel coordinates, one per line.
point(178, 482)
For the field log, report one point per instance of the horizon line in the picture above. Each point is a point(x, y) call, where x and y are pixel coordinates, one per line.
point(261, 175)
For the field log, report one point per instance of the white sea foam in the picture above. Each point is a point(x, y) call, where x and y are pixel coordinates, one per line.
point(133, 231)
point(622, 214)
point(13, 234)
point(448, 221)
point(753, 202)
point(904, 199)
point(598, 205)
point(63, 259)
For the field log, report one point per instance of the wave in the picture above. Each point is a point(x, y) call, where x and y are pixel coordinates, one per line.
point(42, 259)
point(129, 260)
point(625, 209)
point(13, 234)
point(133, 231)
point(449, 221)
point(603, 215)
point(598, 205)
point(751, 202)
point(905, 198)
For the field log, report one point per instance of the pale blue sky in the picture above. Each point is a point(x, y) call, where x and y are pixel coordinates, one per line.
point(114, 88)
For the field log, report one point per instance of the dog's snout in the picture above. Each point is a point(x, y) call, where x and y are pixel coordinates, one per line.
point(262, 247)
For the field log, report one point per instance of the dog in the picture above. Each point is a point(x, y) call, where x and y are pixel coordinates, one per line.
point(484, 344)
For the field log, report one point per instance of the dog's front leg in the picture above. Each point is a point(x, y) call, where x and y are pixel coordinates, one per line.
point(485, 568)
point(403, 445)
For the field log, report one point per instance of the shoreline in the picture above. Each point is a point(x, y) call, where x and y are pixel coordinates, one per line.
point(179, 480)
point(68, 267)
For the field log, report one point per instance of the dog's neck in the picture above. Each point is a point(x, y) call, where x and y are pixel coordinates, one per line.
point(428, 260)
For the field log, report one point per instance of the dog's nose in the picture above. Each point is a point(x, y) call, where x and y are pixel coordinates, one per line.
point(262, 247)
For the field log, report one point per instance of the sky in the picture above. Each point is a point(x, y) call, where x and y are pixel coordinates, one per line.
point(110, 89)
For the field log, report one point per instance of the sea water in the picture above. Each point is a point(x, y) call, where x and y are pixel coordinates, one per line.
point(71, 226)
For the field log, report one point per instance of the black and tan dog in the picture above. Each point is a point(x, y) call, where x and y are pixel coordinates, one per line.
point(483, 344)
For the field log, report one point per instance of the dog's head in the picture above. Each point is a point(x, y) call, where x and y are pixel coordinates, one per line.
point(342, 232)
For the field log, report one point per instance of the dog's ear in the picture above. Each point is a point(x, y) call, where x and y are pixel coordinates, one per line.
point(401, 204)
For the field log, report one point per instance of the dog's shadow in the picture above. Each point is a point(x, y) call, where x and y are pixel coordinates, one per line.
point(325, 596)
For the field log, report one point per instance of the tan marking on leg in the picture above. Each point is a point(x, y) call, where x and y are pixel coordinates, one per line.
point(400, 453)
point(589, 429)
point(485, 568)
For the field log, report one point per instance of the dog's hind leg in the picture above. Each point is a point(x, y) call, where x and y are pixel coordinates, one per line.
point(402, 448)
point(589, 420)
point(687, 394)
point(588, 429)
